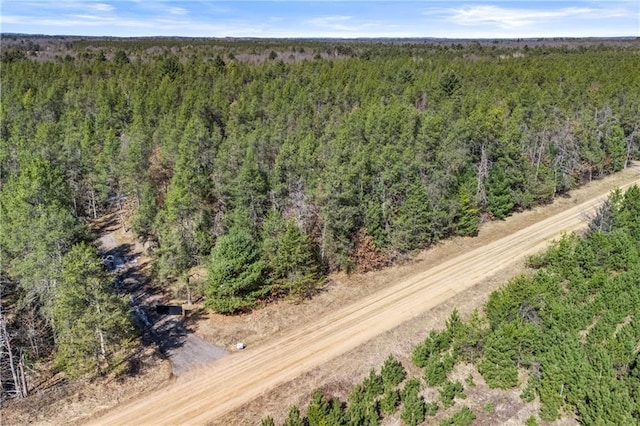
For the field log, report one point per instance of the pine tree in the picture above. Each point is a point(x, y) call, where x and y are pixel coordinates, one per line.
point(412, 224)
point(499, 197)
point(449, 391)
point(291, 263)
point(337, 415)
point(393, 373)
point(317, 410)
point(390, 401)
point(467, 216)
point(413, 405)
point(38, 228)
point(373, 385)
point(294, 418)
point(361, 408)
point(93, 325)
point(235, 275)
point(267, 421)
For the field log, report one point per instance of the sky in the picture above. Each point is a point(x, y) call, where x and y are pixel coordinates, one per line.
point(325, 18)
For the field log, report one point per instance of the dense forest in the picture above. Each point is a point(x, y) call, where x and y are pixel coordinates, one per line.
point(571, 329)
point(273, 163)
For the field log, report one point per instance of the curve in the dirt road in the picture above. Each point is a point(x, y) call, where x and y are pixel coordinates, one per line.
point(237, 379)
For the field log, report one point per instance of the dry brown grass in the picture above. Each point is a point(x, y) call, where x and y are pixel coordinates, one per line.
point(71, 403)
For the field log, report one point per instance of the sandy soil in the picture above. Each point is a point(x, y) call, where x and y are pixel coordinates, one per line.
point(211, 394)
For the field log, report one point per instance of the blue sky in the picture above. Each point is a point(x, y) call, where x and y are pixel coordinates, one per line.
point(329, 18)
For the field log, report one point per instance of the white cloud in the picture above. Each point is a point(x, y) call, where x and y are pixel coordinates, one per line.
point(101, 7)
point(177, 10)
point(339, 23)
point(513, 18)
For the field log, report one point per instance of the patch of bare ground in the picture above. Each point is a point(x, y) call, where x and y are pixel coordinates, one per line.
point(338, 376)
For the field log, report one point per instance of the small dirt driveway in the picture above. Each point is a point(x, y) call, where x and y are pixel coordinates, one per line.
point(123, 254)
point(234, 380)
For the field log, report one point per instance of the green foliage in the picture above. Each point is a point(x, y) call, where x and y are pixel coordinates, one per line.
point(146, 213)
point(531, 421)
point(497, 365)
point(337, 415)
point(38, 229)
point(449, 391)
point(431, 409)
point(390, 401)
point(529, 392)
point(317, 410)
point(362, 409)
point(571, 326)
point(392, 372)
point(469, 338)
point(291, 263)
point(436, 343)
point(373, 384)
point(235, 275)
point(469, 381)
point(267, 421)
point(499, 198)
point(413, 405)
point(412, 385)
point(92, 324)
point(467, 218)
point(293, 417)
point(412, 223)
point(436, 370)
point(411, 151)
point(462, 417)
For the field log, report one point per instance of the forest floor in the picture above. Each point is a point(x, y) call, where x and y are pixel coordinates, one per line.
point(334, 339)
point(330, 341)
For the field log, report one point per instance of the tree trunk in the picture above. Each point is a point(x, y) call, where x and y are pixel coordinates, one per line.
point(121, 214)
point(22, 377)
point(103, 348)
point(93, 203)
point(482, 170)
point(188, 292)
point(17, 372)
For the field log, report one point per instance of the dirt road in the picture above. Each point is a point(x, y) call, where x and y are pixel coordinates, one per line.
point(236, 379)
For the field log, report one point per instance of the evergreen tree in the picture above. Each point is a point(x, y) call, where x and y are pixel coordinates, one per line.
point(289, 257)
point(235, 275)
point(499, 197)
point(392, 372)
point(390, 401)
point(38, 228)
point(92, 324)
point(294, 418)
point(449, 391)
point(267, 421)
point(318, 410)
point(467, 216)
point(414, 408)
point(412, 224)
point(373, 385)
point(497, 365)
point(337, 415)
